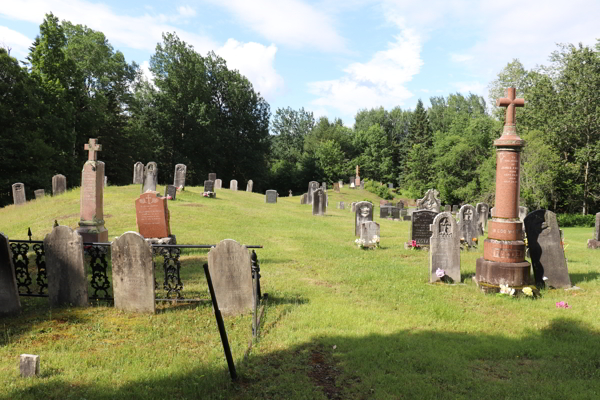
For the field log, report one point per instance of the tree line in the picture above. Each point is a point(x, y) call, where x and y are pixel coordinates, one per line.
point(74, 85)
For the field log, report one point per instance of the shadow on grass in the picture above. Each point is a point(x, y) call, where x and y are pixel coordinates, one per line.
point(577, 278)
point(557, 362)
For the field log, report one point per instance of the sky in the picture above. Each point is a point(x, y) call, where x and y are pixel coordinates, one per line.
point(332, 57)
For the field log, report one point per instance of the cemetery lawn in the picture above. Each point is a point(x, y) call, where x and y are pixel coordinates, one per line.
point(341, 323)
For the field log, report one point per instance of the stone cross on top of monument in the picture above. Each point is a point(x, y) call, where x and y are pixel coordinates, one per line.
point(92, 147)
point(510, 102)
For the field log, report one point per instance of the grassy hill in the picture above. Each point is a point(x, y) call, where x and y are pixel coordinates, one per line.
point(341, 323)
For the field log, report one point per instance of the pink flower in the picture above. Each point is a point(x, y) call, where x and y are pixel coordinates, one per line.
point(414, 243)
point(169, 197)
point(440, 273)
point(562, 304)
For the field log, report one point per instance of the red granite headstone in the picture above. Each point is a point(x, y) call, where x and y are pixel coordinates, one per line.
point(152, 215)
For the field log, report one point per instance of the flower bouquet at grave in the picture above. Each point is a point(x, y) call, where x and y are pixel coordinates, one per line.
point(364, 244)
point(441, 274)
point(414, 246)
point(523, 291)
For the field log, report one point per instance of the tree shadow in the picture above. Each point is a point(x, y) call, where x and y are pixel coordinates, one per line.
point(577, 278)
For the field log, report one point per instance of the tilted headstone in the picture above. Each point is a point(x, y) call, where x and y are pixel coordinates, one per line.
point(65, 267)
point(39, 194)
point(467, 224)
point(18, 192)
point(91, 209)
point(448, 208)
point(482, 214)
point(9, 293)
point(229, 264)
point(430, 201)
point(59, 184)
point(341, 205)
point(319, 202)
point(132, 273)
point(150, 177)
point(271, 196)
point(595, 242)
point(312, 186)
point(212, 176)
point(249, 186)
point(233, 185)
point(209, 186)
point(304, 198)
point(179, 178)
point(369, 233)
point(336, 187)
point(546, 249)
point(138, 173)
point(420, 228)
point(170, 192)
point(363, 213)
point(218, 184)
point(152, 215)
point(444, 251)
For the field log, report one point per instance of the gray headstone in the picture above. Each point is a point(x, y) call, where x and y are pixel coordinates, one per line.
point(390, 185)
point(150, 177)
point(407, 217)
point(597, 228)
point(67, 280)
point(400, 204)
point(353, 206)
point(132, 273)
point(218, 184)
point(341, 184)
point(336, 187)
point(212, 176)
point(430, 201)
point(9, 293)
point(105, 181)
point(18, 191)
point(29, 365)
point(467, 224)
point(319, 202)
point(546, 250)
point(230, 269)
point(403, 212)
point(482, 215)
point(179, 178)
point(209, 186)
point(420, 229)
point(271, 196)
point(444, 252)
point(362, 185)
point(493, 212)
point(304, 199)
point(369, 233)
point(448, 208)
point(233, 185)
point(324, 186)
point(171, 191)
point(363, 213)
point(39, 194)
point(341, 205)
point(312, 186)
point(249, 186)
point(138, 173)
point(455, 209)
point(290, 193)
point(351, 181)
point(523, 211)
point(59, 184)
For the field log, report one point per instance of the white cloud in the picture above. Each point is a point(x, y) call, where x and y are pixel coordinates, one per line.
point(460, 58)
point(289, 22)
point(17, 42)
point(379, 82)
point(146, 73)
point(186, 11)
point(474, 87)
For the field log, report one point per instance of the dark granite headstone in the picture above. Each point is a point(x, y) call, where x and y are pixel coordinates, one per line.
point(363, 213)
point(9, 293)
point(212, 176)
point(209, 186)
point(319, 202)
point(420, 230)
point(467, 224)
point(170, 191)
point(444, 252)
point(271, 196)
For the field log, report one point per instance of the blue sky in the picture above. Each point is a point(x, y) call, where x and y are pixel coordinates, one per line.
point(333, 57)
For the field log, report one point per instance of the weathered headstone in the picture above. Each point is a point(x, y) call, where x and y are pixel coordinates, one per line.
point(467, 224)
point(482, 213)
point(249, 186)
point(271, 196)
point(319, 202)
point(430, 202)
point(152, 215)
point(59, 184)
point(218, 184)
point(363, 213)
point(138, 173)
point(91, 208)
point(39, 194)
point(209, 186)
point(455, 209)
point(390, 185)
point(324, 186)
point(546, 250)
point(389, 212)
point(362, 185)
point(233, 185)
point(29, 365)
point(179, 178)
point(170, 192)
point(105, 181)
point(290, 194)
point(229, 264)
point(212, 176)
point(312, 186)
point(351, 181)
point(369, 233)
point(67, 280)
point(404, 212)
point(400, 204)
point(448, 208)
point(444, 251)
point(595, 242)
point(304, 198)
point(150, 177)
point(18, 192)
point(353, 206)
point(352, 186)
point(523, 211)
point(341, 205)
point(341, 184)
point(336, 187)
point(9, 293)
point(420, 229)
point(132, 273)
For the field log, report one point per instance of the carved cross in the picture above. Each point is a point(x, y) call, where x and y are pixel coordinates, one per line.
point(468, 214)
point(510, 102)
point(445, 226)
point(92, 147)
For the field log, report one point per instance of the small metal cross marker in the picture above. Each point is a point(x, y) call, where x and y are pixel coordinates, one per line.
point(510, 102)
point(92, 146)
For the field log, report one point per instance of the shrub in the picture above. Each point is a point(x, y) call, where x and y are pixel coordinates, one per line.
point(380, 190)
point(569, 220)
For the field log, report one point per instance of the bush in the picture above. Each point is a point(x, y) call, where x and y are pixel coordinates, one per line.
point(380, 190)
point(569, 220)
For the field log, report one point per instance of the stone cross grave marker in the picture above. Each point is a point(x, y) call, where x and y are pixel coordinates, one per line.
point(59, 184)
point(595, 242)
point(271, 196)
point(9, 293)
point(420, 228)
point(39, 194)
point(170, 192)
point(467, 224)
point(218, 184)
point(67, 279)
point(18, 191)
point(150, 177)
point(482, 213)
point(290, 193)
point(133, 273)
point(233, 185)
point(138, 173)
point(319, 202)
point(152, 215)
point(229, 264)
point(546, 250)
point(369, 233)
point(179, 178)
point(363, 213)
point(93, 148)
point(312, 186)
point(91, 209)
point(444, 251)
point(249, 186)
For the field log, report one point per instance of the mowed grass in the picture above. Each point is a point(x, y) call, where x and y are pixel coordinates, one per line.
point(341, 323)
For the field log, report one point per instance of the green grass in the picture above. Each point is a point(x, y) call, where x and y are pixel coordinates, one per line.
point(341, 323)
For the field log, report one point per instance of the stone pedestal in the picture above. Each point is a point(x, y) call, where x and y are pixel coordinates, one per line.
point(91, 226)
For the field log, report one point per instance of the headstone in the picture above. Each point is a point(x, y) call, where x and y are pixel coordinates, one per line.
point(319, 202)
point(91, 209)
point(18, 191)
point(233, 185)
point(290, 193)
point(29, 365)
point(400, 204)
point(132, 273)
point(390, 185)
point(352, 186)
point(357, 181)
point(444, 251)
point(304, 198)
point(482, 213)
point(455, 209)
point(65, 268)
point(341, 184)
point(138, 173)
point(212, 176)
point(363, 213)
point(467, 224)
point(39, 194)
point(336, 187)
point(230, 269)
point(385, 211)
point(595, 242)
point(420, 230)
point(324, 186)
point(152, 215)
point(369, 233)
point(105, 181)
point(362, 185)
point(209, 186)
point(430, 202)
point(351, 181)
point(353, 206)
point(493, 212)
point(249, 186)
point(312, 186)
point(150, 177)
point(271, 196)
point(407, 217)
point(218, 184)
point(170, 192)
point(448, 208)
point(341, 205)
point(404, 212)
point(59, 184)
point(9, 293)
point(546, 250)
point(179, 179)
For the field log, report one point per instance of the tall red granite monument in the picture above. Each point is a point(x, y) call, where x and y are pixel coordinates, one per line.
point(91, 209)
point(503, 260)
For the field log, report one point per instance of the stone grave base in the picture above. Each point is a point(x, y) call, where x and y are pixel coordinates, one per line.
point(171, 239)
point(408, 246)
point(496, 273)
point(593, 244)
point(92, 233)
point(210, 195)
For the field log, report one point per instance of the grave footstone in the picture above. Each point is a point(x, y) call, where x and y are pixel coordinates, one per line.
point(65, 268)
point(546, 250)
point(152, 215)
point(18, 192)
point(319, 202)
point(218, 184)
point(179, 178)
point(595, 242)
point(363, 213)
point(150, 177)
point(249, 186)
point(229, 264)
point(482, 213)
point(271, 196)
point(312, 186)
point(430, 201)
point(420, 228)
point(91, 209)
point(138, 173)
point(369, 233)
point(212, 176)
point(467, 224)
point(132, 273)
point(9, 293)
point(59, 184)
point(170, 192)
point(39, 194)
point(233, 185)
point(29, 365)
point(444, 251)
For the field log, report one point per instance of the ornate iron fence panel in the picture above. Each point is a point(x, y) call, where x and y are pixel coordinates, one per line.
point(20, 257)
point(99, 266)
